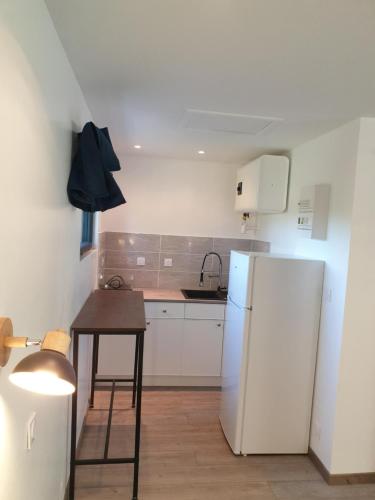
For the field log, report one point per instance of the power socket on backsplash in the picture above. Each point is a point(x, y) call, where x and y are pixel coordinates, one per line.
point(115, 282)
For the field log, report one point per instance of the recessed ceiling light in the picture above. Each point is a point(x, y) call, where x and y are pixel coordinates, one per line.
point(137, 146)
point(201, 152)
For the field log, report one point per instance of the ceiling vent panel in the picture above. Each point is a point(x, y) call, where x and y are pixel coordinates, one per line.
point(227, 122)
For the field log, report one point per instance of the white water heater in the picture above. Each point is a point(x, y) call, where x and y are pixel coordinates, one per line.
point(262, 185)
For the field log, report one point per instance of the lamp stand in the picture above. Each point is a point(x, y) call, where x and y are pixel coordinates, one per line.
point(6, 332)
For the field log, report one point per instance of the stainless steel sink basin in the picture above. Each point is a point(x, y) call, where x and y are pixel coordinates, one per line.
point(204, 294)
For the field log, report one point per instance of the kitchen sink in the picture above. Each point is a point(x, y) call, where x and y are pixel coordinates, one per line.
point(205, 294)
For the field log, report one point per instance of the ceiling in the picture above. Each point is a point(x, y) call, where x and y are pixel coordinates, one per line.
point(152, 69)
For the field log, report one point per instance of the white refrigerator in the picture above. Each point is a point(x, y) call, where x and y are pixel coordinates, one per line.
point(269, 353)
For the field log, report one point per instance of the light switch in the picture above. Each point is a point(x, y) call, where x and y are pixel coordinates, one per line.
point(30, 431)
point(141, 261)
point(168, 262)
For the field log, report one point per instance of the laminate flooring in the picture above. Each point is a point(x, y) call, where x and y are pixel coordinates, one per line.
point(184, 456)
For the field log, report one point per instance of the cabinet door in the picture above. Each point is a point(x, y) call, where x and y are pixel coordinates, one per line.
point(116, 355)
point(163, 342)
point(202, 347)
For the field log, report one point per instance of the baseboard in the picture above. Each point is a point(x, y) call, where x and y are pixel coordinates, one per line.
point(79, 442)
point(165, 388)
point(168, 381)
point(319, 465)
point(340, 479)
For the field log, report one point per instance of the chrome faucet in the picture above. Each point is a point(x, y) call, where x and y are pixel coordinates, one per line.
point(212, 275)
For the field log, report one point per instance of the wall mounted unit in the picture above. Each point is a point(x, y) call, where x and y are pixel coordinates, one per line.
point(262, 185)
point(313, 208)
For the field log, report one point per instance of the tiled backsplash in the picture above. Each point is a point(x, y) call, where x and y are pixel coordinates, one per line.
point(118, 253)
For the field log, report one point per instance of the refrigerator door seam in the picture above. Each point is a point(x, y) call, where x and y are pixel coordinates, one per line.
point(247, 356)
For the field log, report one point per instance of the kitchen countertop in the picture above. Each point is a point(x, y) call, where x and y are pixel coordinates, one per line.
point(171, 295)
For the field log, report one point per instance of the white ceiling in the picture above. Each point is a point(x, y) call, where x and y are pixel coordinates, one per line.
point(143, 63)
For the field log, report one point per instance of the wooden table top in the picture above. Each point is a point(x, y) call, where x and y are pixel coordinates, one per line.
point(111, 312)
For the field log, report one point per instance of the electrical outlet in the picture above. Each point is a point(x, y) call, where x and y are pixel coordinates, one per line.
point(30, 431)
point(141, 261)
point(168, 262)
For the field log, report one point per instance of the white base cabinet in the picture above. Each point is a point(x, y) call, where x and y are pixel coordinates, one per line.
point(116, 355)
point(183, 344)
point(202, 347)
point(162, 352)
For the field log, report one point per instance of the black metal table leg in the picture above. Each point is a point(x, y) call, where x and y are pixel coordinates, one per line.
point(136, 401)
point(135, 370)
point(94, 367)
point(140, 338)
point(73, 435)
point(109, 422)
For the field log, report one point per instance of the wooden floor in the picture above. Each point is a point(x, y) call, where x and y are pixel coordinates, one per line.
point(184, 456)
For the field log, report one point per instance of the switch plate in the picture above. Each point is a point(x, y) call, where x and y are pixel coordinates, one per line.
point(30, 431)
point(168, 262)
point(141, 261)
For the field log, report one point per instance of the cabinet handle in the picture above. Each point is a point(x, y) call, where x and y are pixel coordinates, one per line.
point(148, 322)
point(219, 324)
point(164, 310)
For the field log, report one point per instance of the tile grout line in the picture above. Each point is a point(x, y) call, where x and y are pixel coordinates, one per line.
point(158, 274)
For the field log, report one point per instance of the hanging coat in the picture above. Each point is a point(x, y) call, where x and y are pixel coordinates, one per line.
point(91, 186)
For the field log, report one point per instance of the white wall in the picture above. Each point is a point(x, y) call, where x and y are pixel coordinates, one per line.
point(177, 197)
point(354, 437)
point(332, 159)
point(43, 282)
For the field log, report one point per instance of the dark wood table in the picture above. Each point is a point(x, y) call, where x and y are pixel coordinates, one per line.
point(110, 312)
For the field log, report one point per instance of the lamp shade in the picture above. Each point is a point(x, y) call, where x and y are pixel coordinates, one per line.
point(45, 372)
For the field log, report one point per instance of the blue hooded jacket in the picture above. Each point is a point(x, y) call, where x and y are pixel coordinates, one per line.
point(91, 186)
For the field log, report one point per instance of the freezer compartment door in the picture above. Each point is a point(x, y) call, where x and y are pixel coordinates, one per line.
point(236, 328)
point(240, 273)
